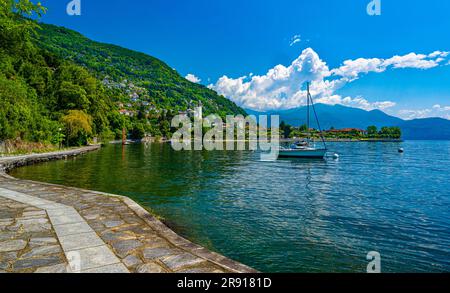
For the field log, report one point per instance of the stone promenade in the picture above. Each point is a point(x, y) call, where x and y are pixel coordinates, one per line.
point(46, 228)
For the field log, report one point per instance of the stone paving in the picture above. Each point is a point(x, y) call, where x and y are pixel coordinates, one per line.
point(84, 250)
point(27, 240)
point(50, 228)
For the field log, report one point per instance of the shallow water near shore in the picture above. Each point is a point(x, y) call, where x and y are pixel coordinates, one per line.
point(290, 215)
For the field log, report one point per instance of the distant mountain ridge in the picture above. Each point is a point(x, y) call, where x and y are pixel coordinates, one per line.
point(339, 116)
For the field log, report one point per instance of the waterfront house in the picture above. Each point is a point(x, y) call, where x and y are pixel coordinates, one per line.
point(127, 112)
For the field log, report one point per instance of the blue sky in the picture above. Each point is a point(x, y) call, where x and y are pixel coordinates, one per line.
point(234, 38)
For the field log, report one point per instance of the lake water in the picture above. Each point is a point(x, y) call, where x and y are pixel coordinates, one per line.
point(289, 215)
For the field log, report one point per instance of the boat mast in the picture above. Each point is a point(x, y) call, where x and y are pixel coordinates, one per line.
point(307, 115)
point(317, 118)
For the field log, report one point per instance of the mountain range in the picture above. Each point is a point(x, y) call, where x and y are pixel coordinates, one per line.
point(338, 116)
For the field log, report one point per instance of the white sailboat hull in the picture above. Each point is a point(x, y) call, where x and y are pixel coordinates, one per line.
point(302, 153)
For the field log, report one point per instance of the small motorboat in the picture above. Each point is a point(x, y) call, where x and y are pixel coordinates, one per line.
point(305, 149)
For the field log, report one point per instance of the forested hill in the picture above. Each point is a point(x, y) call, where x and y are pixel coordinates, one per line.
point(136, 77)
point(58, 87)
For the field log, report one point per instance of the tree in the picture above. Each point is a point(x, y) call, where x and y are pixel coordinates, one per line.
point(391, 132)
point(72, 96)
point(303, 128)
point(165, 129)
point(285, 129)
point(396, 132)
point(385, 132)
point(372, 131)
point(15, 30)
point(78, 126)
point(58, 137)
point(138, 131)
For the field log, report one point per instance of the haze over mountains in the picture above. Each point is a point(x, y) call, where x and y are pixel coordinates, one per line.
point(339, 116)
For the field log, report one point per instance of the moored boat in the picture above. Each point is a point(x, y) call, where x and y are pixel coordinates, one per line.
point(303, 153)
point(305, 149)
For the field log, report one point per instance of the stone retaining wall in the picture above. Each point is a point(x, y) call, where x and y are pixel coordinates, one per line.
point(9, 163)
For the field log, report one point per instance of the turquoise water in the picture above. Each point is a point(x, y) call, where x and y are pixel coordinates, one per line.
point(289, 215)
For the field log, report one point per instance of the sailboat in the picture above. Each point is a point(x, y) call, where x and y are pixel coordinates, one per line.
point(307, 148)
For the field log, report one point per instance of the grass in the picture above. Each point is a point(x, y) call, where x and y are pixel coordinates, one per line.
point(18, 147)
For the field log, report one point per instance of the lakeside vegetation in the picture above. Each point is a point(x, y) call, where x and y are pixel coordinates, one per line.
point(371, 133)
point(60, 88)
point(19, 147)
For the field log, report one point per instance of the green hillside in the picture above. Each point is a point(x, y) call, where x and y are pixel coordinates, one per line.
point(59, 88)
point(132, 77)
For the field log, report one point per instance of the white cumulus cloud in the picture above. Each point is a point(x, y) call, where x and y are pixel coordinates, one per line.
point(353, 68)
point(411, 60)
point(281, 87)
point(193, 78)
point(358, 102)
point(435, 111)
point(439, 54)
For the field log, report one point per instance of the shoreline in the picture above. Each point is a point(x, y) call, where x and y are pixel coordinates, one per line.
point(346, 140)
point(282, 140)
point(209, 258)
